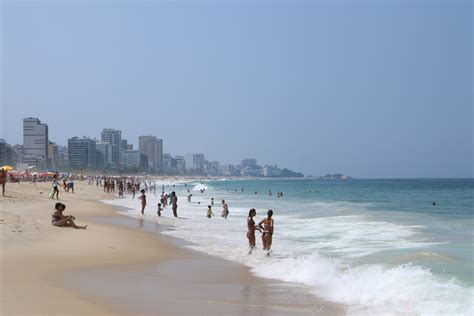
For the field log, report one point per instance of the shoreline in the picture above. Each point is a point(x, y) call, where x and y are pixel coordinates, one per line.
point(118, 267)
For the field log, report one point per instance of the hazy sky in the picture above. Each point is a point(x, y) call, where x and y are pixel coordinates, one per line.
point(369, 89)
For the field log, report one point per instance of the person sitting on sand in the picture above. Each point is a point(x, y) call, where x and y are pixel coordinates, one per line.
point(143, 199)
point(60, 220)
point(266, 225)
point(3, 180)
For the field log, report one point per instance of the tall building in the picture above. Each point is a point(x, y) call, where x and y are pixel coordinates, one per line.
point(7, 155)
point(188, 162)
point(35, 138)
point(53, 155)
point(194, 163)
point(104, 155)
point(82, 153)
point(114, 137)
point(251, 162)
point(153, 148)
point(180, 164)
point(229, 170)
point(124, 144)
point(63, 160)
point(134, 159)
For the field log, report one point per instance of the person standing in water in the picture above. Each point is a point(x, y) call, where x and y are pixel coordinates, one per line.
point(212, 201)
point(159, 209)
point(225, 209)
point(143, 199)
point(251, 227)
point(267, 225)
point(174, 202)
point(209, 211)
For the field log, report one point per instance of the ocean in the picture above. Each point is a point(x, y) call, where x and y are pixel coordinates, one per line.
point(391, 246)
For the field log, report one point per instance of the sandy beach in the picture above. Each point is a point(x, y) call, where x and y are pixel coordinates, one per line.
point(122, 265)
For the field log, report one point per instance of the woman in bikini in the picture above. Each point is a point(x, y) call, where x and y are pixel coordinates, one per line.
point(143, 199)
point(56, 186)
point(60, 220)
point(251, 227)
point(266, 225)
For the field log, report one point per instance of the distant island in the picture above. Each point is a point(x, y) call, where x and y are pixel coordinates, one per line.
point(335, 176)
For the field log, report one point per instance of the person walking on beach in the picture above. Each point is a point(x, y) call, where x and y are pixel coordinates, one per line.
point(3, 180)
point(174, 202)
point(159, 209)
point(70, 186)
point(60, 220)
point(56, 186)
point(143, 199)
point(267, 225)
point(225, 209)
point(251, 227)
point(209, 211)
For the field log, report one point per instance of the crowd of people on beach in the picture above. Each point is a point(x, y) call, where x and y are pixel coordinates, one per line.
point(132, 185)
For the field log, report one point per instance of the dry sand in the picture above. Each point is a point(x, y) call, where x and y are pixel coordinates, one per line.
point(121, 265)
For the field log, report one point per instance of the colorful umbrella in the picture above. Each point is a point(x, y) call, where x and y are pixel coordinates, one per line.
point(7, 168)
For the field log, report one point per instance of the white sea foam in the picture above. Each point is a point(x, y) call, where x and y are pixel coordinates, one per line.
point(199, 187)
point(322, 253)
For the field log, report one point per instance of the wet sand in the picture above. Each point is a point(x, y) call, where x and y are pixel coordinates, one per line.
point(122, 265)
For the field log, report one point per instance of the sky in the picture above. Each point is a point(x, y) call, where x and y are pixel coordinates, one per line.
point(370, 89)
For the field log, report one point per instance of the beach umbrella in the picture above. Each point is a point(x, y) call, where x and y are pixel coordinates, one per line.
point(12, 171)
point(31, 167)
point(34, 174)
point(7, 168)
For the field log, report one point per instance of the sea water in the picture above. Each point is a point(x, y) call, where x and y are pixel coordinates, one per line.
point(378, 246)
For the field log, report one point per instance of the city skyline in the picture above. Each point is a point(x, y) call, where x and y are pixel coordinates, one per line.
point(112, 153)
point(372, 90)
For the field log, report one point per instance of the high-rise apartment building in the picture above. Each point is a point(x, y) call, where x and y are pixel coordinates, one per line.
point(249, 163)
point(7, 155)
point(114, 137)
point(134, 159)
point(53, 155)
point(82, 153)
point(152, 147)
point(104, 155)
point(194, 162)
point(35, 138)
